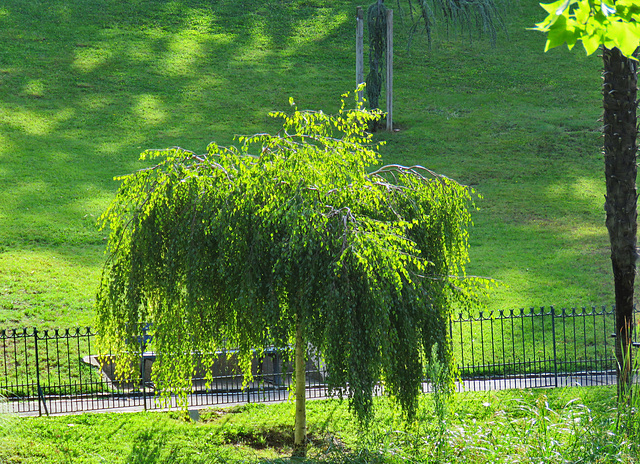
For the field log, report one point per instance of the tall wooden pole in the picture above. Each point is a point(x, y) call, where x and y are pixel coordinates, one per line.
point(389, 61)
point(359, 51)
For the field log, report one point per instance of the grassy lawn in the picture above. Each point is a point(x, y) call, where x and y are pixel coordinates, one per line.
point(86, 85)
point(551, 426)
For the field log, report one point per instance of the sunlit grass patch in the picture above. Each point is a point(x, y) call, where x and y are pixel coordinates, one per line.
point(555, 426)
point(85, 89)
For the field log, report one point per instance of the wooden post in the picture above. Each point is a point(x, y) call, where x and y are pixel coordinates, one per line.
point(359, 51)
point(389, 60)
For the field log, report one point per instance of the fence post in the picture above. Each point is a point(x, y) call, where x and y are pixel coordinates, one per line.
point(555, 356)
point(38, 388)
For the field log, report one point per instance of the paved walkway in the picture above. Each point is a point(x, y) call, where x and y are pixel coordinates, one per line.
point(146, 401)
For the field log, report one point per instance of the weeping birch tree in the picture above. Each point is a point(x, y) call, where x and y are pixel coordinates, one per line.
point(295, 239)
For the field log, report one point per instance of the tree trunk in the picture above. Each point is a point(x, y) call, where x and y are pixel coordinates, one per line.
point(620, 147)
point(300, 431)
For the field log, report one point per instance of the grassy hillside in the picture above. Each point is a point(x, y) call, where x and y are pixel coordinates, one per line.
point(86, 85)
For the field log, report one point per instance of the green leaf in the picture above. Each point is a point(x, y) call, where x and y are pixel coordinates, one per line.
point(582, 12)
point(591, 43)
point(608, 7)
point(595, 22)
point(560, 32)
point(625, 36)
point(557, 8)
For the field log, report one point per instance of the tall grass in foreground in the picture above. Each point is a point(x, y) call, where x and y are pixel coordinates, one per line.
point(531, 429)
point(575, 425)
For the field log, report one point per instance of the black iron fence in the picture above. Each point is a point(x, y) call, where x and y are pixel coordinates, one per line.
point(57, 371)
point(545, 347)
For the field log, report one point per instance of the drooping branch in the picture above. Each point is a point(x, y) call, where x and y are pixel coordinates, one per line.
point(466, 16)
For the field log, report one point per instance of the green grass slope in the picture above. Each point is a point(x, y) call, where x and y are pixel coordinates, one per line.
point(86, 85)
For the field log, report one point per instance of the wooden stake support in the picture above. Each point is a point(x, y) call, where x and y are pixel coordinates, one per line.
point(359, 51)
point(389, 62)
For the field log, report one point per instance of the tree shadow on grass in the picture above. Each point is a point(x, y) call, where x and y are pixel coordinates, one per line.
point(87, 85)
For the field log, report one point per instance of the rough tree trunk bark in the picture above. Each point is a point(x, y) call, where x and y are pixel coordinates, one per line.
point(620, 147)
point(300, 430)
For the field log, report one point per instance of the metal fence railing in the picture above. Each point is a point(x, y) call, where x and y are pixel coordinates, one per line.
point(57, 371)
point(544, 347)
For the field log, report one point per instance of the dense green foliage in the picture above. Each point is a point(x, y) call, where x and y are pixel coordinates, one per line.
point(237, 246)
point(612, 23)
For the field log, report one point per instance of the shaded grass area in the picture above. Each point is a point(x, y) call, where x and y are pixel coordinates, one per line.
point(86, 85)
point(572, 425)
